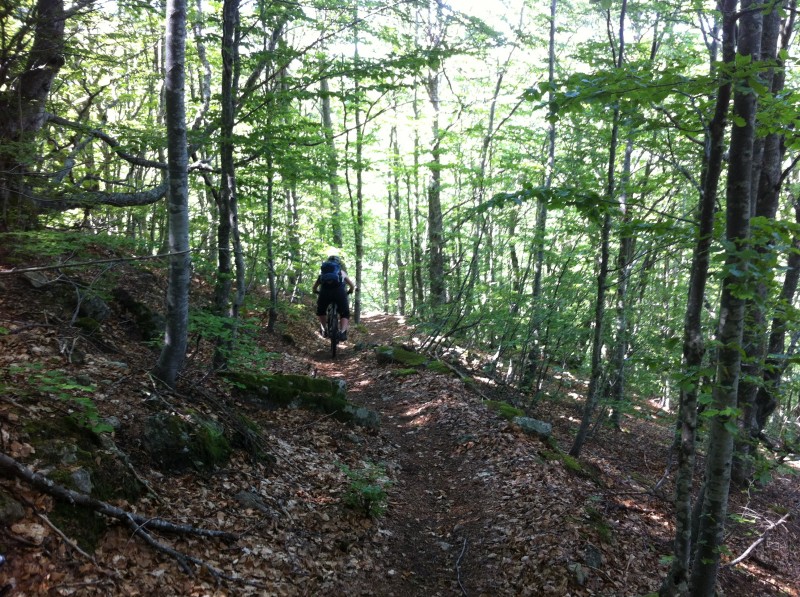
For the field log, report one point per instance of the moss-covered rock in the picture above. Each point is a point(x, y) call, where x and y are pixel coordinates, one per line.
point(504, 409)
point(438, 367)
point(82, 524)
point(389, 355)
point(175, 443)
point(534, 427)
point(273, 390)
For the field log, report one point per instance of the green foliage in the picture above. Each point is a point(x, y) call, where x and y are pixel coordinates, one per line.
point(65, 246)
point(246, 352)
point(59, 385)
point(366, 492)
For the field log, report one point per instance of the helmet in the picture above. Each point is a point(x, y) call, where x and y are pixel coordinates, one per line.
point(335, 259)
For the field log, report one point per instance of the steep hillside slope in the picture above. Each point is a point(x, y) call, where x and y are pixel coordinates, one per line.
point(473, 505)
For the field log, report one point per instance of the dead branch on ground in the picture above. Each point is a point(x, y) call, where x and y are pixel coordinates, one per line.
point(140, 525)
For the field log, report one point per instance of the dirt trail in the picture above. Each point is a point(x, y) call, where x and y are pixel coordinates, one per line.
point(437, 511)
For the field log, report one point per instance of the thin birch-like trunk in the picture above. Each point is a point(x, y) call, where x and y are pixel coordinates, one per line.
point(173, 353)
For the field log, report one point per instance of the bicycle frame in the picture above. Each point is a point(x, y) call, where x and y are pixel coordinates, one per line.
point(333, 327)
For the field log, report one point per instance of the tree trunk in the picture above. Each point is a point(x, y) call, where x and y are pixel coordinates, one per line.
point(435, 221)
point(173, 353)
point(331, 161)
point(398, 247)
point(227, 227)
point(766, 194)
point(593, 391)
point(621, 341)
point(720, 441)
point(22, 108)
point(676, 581)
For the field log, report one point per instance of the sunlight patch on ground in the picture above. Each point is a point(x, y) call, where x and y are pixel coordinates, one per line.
point(419, 414)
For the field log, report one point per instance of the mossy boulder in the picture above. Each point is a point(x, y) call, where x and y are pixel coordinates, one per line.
point(82, 460)
point(390, 355)
point(438, 367)
point(533, 427)
point(176, 443)
point(409, 360)
point(274, 390)
point(504, 409)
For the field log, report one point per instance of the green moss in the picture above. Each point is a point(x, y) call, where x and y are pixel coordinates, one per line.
point(573, 465)
point(211, 442)
point(296, 391)
point(397, 355)
point(504, 409)
point(87, 324)
point(439, 367)
point(570, 463)
point(403, 372)
point(599, 525)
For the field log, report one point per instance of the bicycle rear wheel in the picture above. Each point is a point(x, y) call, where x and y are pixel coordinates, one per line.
point(333, 327)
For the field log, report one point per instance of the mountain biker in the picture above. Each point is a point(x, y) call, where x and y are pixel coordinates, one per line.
point(334, 292)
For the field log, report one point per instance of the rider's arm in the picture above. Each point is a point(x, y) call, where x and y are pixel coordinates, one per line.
point(316, 285)
point(351, 286)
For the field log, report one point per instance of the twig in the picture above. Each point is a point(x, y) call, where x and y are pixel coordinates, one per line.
point(183, 558)
point(458, 568)
point(757, 542)
point(82, 263)
point(66, 539)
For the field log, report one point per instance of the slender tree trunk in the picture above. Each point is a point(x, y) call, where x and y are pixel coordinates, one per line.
point(398, 246)
point(534, 356)
point(765, 196)
point(387, 248)
point(173, 353)
point(435, 221)
point(676, 581)
point(331, 161)
point(720, 441)
point(593, 391)
point(228, 225)
point(272, 282)
point(417, 285)
point(767, 398)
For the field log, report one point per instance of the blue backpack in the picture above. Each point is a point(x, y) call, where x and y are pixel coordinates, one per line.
point(330, 273)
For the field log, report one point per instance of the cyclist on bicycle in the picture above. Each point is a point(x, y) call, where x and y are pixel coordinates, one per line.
point(331, 284)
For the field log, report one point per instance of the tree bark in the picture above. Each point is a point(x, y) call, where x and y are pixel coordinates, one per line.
point(173, 353)
point(677, 580)
point(724, 400)
point(765, 197)
point(435, 218)
point(22, 109)
point(331, 162)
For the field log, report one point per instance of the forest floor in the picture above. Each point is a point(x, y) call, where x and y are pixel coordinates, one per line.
point(475, 506)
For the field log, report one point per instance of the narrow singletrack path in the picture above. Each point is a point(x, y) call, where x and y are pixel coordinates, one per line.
point(437, 515)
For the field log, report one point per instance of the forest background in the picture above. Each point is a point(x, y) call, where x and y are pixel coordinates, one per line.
point(604, 187)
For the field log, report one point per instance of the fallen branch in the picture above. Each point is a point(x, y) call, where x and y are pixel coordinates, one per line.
point(66, 539)
point(757, 542)
point(139, 524)
point(42, 483)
